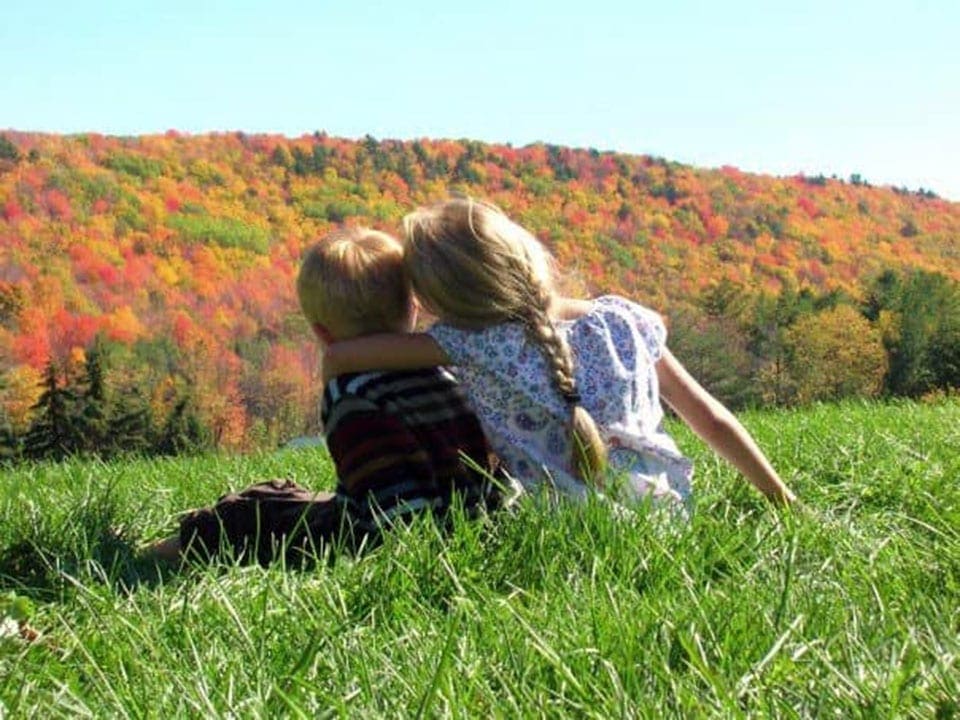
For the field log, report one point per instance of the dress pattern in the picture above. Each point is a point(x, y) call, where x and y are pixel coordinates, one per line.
point(616, 346)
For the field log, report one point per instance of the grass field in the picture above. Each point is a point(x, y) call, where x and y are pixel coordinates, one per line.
point(847, 608)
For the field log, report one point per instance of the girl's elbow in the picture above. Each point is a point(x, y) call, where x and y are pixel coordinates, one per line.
point(718, 425)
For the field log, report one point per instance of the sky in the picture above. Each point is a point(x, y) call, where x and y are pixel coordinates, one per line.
point(777, 87)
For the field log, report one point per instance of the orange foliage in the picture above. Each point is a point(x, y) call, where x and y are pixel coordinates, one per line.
point(196, 240)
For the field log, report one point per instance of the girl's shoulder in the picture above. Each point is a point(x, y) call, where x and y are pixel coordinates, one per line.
point(468, 346)
point(572, 309)
point(627, 322)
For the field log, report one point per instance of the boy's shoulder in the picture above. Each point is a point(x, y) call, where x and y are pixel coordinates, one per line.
point(381, 388)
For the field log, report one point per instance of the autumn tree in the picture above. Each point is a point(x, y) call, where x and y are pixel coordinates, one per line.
point(835, 354)
point(714, 349)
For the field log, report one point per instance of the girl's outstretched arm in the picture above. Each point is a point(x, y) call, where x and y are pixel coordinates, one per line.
point(718, 427)
point(382, 351)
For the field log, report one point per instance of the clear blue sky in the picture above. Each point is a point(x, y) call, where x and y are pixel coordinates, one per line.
point(839, 86)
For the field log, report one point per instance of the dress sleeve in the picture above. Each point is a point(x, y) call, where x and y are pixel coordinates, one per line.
point(470, 350)
point(451, 340)
point(647, 323)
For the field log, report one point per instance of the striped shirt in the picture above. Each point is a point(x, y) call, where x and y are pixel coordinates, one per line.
point(404, 442)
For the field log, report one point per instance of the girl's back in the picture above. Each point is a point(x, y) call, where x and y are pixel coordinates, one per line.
point(616, 344)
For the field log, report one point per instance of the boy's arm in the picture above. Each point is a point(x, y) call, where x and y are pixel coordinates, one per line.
point(718, 427)
point(383, 351)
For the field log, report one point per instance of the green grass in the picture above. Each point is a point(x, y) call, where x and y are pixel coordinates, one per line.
point(846, 609)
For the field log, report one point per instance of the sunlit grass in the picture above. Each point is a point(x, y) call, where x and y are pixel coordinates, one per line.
point(847, 608)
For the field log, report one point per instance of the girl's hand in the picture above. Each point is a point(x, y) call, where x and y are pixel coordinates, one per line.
point(718, 427)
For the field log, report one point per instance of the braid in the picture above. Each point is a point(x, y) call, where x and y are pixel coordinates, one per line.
point(542, 331)
point(589, 450)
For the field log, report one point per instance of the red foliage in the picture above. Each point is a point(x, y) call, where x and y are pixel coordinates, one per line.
point(57, 205)
point(12, 210)
point(808, 206)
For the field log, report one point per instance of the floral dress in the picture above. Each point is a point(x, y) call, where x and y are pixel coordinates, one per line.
point(616, 346)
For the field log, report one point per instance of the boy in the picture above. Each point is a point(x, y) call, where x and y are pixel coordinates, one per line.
point(402, 442)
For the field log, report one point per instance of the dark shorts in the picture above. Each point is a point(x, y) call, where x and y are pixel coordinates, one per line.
point(264, 522)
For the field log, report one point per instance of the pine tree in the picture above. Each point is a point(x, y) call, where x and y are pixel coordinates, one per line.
point(9, 442)
point(90, 418)
point(130, 425)
point(53, 434)
point(183, 432)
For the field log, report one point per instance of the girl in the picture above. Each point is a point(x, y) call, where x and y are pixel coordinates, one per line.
point(568, 391)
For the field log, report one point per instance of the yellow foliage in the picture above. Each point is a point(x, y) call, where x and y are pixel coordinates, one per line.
point(124, 326)
point(21, 391)
point(166, 273)
point(834, 354)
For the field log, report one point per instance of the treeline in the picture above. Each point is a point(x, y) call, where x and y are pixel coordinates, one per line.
point(79, 413)
point(900, 338)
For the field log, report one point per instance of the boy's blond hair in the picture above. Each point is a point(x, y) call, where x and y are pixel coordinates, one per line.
point(353, 283)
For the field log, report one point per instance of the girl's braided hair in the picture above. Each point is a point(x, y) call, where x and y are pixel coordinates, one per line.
point(473, 267)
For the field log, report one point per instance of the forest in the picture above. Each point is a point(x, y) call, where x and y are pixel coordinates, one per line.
point(147, 283)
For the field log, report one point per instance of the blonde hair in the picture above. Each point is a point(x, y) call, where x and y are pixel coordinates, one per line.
point(353, 283)
point(474, 267)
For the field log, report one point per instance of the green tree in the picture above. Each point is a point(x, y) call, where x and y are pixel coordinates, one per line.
point(9, 442)
point(130, 424)
point(771, 316)
point(53, 434)
point(281, 157)
point(182, 432)
point(8, 151)
point(714, 350)
point(90, 412)
point(923, 333)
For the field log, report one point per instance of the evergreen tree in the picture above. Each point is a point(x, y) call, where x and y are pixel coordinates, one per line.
point(405, 170)
point(924, 342)
point(53, 434)
point(463, 171)
point(183, 432)
point(90, 417)
point(130, 425)
point(8, 151)
point(281, 157)
point(9, 442)
point(320, 158)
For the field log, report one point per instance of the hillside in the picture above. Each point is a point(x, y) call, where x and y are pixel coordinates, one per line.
point(180, 251)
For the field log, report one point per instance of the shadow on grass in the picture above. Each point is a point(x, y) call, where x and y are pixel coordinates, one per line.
point(88, 547)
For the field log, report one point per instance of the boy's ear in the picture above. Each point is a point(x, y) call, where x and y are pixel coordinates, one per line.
point(323, 333)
